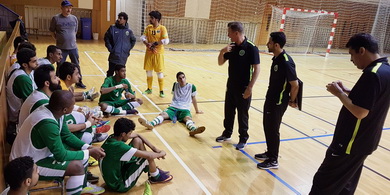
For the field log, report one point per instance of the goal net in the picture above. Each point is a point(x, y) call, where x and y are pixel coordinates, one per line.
point(381, 27)
point(307, 31)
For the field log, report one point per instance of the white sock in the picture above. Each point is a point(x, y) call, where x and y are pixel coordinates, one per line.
point(109, 109)
point(155, 173)
point(74, 184)
point(158, 120)
point(190, 125)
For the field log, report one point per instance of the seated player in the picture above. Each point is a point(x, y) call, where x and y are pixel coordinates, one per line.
point(83, 126)
point(124, 163)
point(69, 75)
point(21, 174)
point(46, 138)
point(111, 101)
point(47, 82)
point(183, 94)
point(53, 55)
point(17, 41)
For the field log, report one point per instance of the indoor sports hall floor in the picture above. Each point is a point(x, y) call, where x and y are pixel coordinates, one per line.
point(202, 166)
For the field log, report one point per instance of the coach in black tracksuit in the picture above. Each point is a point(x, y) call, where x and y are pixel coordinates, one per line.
point(282, 91)
point(360, 122)
point(119, 40)
point(244, 68)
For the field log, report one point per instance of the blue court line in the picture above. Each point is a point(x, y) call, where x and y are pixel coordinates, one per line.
point(271, 173)
point(283, 140)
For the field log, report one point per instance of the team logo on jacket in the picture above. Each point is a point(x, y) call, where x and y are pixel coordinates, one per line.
point(242, 52)
point(127, 33)
point(276, 67)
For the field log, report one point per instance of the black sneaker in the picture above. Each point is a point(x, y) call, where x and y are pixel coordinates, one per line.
point(262, 156)
point(92, 178)
point(222, 138)
point(268, 164)
point(132, 111)
point(81, 85)
point(240, 146)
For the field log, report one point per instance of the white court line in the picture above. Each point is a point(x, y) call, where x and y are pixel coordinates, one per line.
point(200, 184)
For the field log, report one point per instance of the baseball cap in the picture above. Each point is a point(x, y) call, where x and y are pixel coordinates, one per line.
point(66, 3)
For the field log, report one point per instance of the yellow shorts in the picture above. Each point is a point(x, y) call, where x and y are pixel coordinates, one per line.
point(154, 62)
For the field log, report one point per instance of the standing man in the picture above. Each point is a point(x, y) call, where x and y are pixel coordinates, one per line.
point(154, 37)
point(244, 68)
point(282, 91)
point(119, 41)
point(63, 28)
point(360, 122)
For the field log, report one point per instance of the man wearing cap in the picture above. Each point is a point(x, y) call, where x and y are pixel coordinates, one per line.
point(63, 28)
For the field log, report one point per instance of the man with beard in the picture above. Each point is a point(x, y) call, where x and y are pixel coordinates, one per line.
point(19, 86)
point(282, 92)
point(46, 81)
point(119, 41)
point(154, 37)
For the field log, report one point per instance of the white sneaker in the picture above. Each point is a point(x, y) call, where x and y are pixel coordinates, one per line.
point(99, 137)
point(92, 189)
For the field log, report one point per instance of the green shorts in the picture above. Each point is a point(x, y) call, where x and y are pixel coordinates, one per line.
point(120, 103)
point(180, 114)
point(50, 169)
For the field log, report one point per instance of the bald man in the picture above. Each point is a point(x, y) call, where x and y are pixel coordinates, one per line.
point(46, 138)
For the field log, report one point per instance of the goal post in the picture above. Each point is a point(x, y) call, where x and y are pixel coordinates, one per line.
point(307, 31)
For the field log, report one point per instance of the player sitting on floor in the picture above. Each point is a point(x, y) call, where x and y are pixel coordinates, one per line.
point(183, 94)
point(124, 163)
point(111, 99)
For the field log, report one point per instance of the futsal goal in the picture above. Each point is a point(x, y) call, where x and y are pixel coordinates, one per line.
point(307, 31)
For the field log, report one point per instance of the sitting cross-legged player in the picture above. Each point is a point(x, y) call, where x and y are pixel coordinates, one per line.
point(111, 101)
point(124, 163)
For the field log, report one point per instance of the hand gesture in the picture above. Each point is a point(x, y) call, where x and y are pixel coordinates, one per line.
point(334, 89)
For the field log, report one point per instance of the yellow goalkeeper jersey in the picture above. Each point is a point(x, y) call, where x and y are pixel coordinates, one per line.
point(156, 34)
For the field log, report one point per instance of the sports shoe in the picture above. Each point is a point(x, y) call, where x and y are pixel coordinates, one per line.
point(145, 123)
point(162, 177)
point(93, 96)
point(103, 123)
point(92, 178)
point(91, 91)
point(268, 164)
point(240, 146)
point(103, 129)
point(92, 162)
point(80, 85)
point(197, 130)
point(99, 137)
point(132, 111)
point(148, 91)
point(162, 95)
point(106, 114)
point(222, 138)
point(262, 156)
point(92, 189)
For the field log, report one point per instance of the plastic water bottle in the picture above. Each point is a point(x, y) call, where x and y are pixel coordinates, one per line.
point(174, 119)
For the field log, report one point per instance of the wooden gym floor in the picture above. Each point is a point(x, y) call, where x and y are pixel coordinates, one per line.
point(202, 166)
